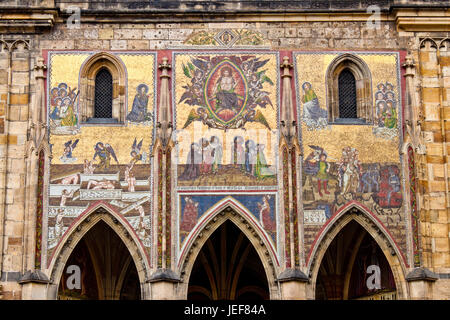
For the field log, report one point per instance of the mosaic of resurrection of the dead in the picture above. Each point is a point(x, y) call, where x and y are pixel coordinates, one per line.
point(89, 163)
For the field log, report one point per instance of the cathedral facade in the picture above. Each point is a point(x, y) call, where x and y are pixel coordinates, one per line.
point(224, 150)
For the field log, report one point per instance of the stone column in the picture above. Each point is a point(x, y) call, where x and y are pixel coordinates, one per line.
point(292, 280)
point(164, 279)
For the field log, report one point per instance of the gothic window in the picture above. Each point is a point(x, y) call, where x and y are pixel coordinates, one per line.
point(347, 95)
point(102, 90)
point(103, 94)
point(349, 91)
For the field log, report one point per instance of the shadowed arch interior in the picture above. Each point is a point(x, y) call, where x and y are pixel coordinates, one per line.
point(228, 268)
point(107, 268)
point(345, 271)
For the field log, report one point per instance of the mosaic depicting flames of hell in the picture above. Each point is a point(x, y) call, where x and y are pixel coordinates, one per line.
point(99, 163)
point(226, 109)
point(339, 166)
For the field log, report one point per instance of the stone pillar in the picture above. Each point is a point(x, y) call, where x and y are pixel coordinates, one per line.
point(164, 280)
point(293, 284)
point(163, 285)
point(421, 282)
point(34, 285)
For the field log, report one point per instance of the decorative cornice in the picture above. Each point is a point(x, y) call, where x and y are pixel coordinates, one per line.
point(26, 20)
point(421, 274)
point(292, 275)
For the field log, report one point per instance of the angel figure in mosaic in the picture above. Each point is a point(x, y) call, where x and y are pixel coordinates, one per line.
point(105, 152)
point(67, 156)
point(136, 151)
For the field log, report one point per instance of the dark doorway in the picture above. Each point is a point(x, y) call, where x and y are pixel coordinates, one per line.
point(107, 270)
point(354, 267)
point(228, 268)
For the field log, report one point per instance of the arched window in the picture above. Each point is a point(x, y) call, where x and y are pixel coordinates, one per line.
point(102, 90)
point(349, 91)
point(347, 95)
point(103, 94)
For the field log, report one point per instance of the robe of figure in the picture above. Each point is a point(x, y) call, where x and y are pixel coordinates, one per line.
point(139, 110)
point(190, 215)
point(193, 161)
point(311, 107)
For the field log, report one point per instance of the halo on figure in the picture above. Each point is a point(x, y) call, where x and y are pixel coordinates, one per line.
point(222, 71)
point(63, 85)
point(392, 102)
point(55, 89)
point(378, 93)
point(390, 92)
point(381, 87)
point(61, 91)
point(382, 102)
point(64, 100)
point(306, 83)
point(389, 86)
point(142, 85)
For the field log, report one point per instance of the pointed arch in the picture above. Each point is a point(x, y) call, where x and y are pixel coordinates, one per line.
point(89, 70)
point(444, 45)
point(363, 85)
point(355, 211)
point(85, 222)
point(428, 44)
point(225, 210)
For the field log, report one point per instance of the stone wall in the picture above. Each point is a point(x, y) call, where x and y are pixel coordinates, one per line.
point(301, 33)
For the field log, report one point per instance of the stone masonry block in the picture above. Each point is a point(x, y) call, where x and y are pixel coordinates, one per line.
point(121, 34)
point(154, 34)
point(106, 34)
point(118, 44)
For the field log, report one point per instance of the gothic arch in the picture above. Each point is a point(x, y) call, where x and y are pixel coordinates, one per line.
point(367, 220)
point(88, 72)
point(363, 78)
point(79, 229)
point(431, 44)
point(228, 211)
point(444, 45)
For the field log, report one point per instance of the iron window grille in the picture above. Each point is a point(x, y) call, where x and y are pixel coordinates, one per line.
point(103, 94)
point(347, 95)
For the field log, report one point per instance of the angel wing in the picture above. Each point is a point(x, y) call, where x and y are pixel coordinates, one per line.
point(258, 64)
point(201, 64)
point(186, 71)
point(139, 145)
point(193, 116)
point(263, 100)
point(316, 148)
point(259, 117)
point(67, 144)
point(264, 78)
point(111, 151)
point(133, 147)
point(75, 144)
point(185, 96)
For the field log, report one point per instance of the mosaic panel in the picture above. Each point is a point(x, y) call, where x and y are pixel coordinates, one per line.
point(263, 208)
point(226, 113)
point(338, 166)
point(101, 163)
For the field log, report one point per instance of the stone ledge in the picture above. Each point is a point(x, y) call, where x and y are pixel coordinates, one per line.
point(292, 275)
point(36, 276)
point(421, 274)
point(164, 275)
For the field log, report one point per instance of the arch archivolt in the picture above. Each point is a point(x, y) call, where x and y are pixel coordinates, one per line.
point(363, 78)
point(248, 227)
point(88, 72)
point(356, 212)
point(79, 229)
